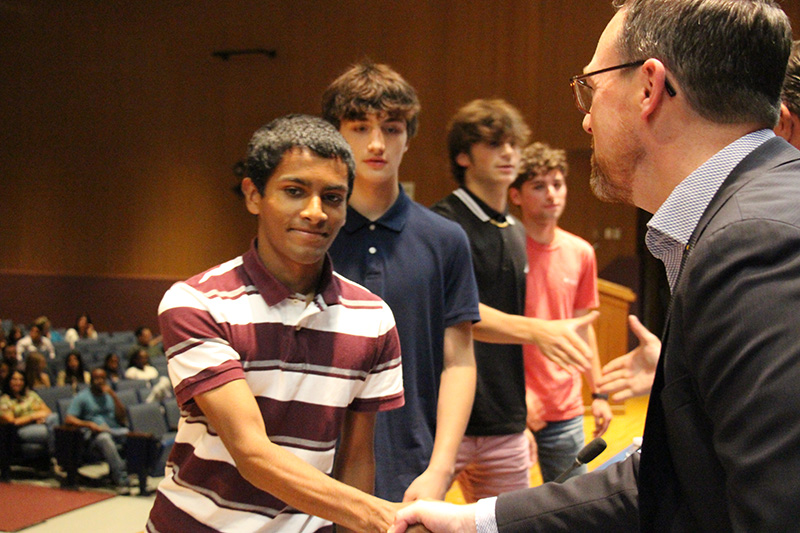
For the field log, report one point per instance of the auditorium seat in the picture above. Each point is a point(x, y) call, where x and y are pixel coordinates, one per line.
point(51, 395)
point(149, 442)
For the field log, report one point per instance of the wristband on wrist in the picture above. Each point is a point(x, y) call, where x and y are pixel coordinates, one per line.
point(599, 396)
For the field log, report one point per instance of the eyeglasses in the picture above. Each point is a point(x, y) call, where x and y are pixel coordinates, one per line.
point(583, 92)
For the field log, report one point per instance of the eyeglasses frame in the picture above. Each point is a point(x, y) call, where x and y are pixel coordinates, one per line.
point(575, 80)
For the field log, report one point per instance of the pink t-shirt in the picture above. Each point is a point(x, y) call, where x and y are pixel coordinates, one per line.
point(562, 278)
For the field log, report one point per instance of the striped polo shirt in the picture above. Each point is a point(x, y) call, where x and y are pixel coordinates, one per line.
point(306, 363)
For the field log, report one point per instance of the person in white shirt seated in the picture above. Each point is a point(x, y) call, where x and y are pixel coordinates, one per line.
point(139, 367)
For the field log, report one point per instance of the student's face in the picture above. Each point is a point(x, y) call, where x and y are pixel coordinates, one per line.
point(378, 143)
point(541, 199)
point(17, 382)
point(10, 352)
point(491, 163)
point(145, 337)
point(36, 334)
point(72, 362)
point(113, 362)
point(300, 213)
point(98, 380)
point(617, 150)
point(141, 359)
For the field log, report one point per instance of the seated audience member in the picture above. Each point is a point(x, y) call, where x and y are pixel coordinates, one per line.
point(22, 407)
point(35, 341)
point(36, 371)
point(102, 416)
point(14, 335)
point(145, 339)
point(47, 329)
point(111, 366)
point(5, 369)
point(139, 367)
point(11, 357)
point(83, 329)
point(73, 373)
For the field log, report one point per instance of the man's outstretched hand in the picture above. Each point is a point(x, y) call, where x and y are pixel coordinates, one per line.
point(632, 374)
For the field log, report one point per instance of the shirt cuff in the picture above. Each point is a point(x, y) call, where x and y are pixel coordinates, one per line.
point(485, 520)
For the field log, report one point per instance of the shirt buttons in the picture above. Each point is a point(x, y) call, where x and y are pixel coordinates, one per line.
point(372, 227)
point(372, 250)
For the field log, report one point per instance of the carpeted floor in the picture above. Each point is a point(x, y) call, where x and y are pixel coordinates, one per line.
point(25, 504)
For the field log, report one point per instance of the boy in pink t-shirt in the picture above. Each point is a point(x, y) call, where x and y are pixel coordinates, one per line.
point(561, 283)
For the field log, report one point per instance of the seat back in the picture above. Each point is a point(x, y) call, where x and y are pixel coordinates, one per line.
point(128, 397)
point(147, 418)
point(128, 337)
point(172, 413)
point(87, 347)
point(63, 406)
point(62, 349)
point(51, 395)
point(131, 384)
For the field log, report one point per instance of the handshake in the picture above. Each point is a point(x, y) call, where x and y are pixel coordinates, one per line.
point(436, 517)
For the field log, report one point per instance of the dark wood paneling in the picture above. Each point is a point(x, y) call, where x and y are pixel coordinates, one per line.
point(120, 129)
point(115, 303)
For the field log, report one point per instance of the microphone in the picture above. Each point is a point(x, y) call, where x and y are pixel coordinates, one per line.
point(587, 454)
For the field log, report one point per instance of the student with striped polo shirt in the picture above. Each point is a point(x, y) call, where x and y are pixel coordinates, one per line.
point(274, 358)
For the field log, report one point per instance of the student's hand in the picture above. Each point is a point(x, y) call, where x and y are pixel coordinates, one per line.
point(601, 411)
point(430, 485)
point(632, 374)
point(562, 341)
point(533, 449)
point(535, 417)
point(438, 517)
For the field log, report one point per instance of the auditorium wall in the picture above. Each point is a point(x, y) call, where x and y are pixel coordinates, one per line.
point(120, 129)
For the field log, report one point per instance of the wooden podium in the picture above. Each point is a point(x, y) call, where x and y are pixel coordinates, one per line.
point(611, 328)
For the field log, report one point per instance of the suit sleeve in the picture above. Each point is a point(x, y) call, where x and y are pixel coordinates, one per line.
point(604, 500)
point(741, 352)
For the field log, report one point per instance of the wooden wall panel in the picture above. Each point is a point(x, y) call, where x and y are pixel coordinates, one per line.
point(120, 129)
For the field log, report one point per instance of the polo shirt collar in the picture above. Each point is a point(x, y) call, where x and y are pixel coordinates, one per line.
point(273, 291)
point(394, 219)
point(480, 209)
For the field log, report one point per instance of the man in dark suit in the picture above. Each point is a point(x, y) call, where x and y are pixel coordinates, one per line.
point(680, 98)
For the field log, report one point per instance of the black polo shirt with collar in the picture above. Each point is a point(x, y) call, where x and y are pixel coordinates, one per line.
point(500, 261)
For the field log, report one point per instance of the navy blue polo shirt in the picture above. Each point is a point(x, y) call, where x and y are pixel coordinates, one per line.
point(420, 264)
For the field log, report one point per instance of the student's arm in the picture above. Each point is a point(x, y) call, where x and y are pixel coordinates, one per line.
point(601, 410)
point(74, 421)
point(558, 340)
point(355, 456)
point(456, 394)
point(233, 412)
point(120, 413)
